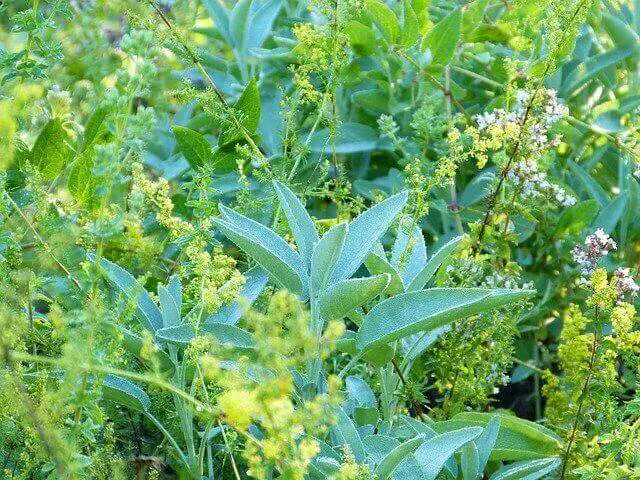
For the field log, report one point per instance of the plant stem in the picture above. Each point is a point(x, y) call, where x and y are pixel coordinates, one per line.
point(583, 396)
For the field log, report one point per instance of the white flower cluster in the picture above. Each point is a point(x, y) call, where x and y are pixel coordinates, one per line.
point(550, 112)
point(626, 284)
point(596, 246)
point(534, 183)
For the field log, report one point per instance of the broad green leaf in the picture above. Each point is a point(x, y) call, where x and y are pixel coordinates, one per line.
point(384, 18)
point(433, 454)
point(218, 13)
point(388, 464)
point(170, 311)
point(256, 279)
point(94, 126)
point(248, 113)
point(593, 67)
point(51, 152)
point(226, 334)
point(82, 182)
point(611, 213)
point(410, 28)
point(427, 310)
point(238, 21)
point(442, 39)
point(409, 253)
point(421, 428)
point(304, 231)
point(423, 277)
point(266, 248)
point(326, 254)
point(124, 392)
point(147, 311)
point(527, 470)
point(593, 188)
point(624, 37)
point(364, 232)
point(377, 263)
point(576, 218)
point(343, 297)
point(518, 439)
point(360, 392)
point(195, 148)
point(350, 138)
point(175, 288)
point(260, 23)
point(361, 37)
point(346, 434)
point(469, 461)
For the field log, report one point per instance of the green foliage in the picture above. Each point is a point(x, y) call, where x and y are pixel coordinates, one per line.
point(324, 240)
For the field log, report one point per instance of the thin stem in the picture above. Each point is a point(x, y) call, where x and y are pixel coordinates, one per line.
point(416, 405)
point(169, 437)
point(583, 396)
point(226, 444)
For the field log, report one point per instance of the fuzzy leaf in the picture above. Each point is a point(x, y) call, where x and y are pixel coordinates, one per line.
point(422, 278)
point(433, 454)
point(124, 392)
point(147, 311)
point(383, 18)
point(427, 310)
point(343, 297)
point(326, 254)
point(346, 434)
point(392, 459)
point(265, 247)
point(364, 232)
point(442, 39)
point(527, 470)
point(226, 334)
point(304, 231)
point(170, 311)
point(410, 28)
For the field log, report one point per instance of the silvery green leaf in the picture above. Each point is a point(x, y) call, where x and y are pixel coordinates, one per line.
point(170, 312)
point(345, 433)
point(433, 454)
point(261, 243)
point(527, 470)
point(304, 231)
point(326, 254)
point(409, 253)
point(343, 297)
point(426, 310)
point(147, 311)
point(364, 232)
point(183, 334)
point(423, 277)
point(388, 464)
point(469, 461)
point(124, 392)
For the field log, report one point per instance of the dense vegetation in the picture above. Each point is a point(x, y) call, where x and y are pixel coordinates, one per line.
point(319, 239)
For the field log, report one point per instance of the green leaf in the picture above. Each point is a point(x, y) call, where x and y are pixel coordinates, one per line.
point(326, 254)
point(304, 231)
point(94, 126)
point(343, 297)
point(433, 454)
point(469, 461)
point(147, 311)
point(124, 392)
point(426, 310)
point(392, 459)
point(623, 36)
point(82, 182)
point(377, 263)
point(593, 188)
point(486, 442)
point(364, 232)
point(576, 218)
point(51, 152)
point(260, 23)
point(226, 334)
point(422, 278)
point(527, 470)
point(518, 439)
point(442, 39)
point(193, 145)
point(410, 28)
point(450, 466)
point(220, 17)
point(170, 311)
point(346, 434)
point(262, 244)
point(248, 110)
point(361, 37)
point(384, 18)
point(409, 253)
point(350, 138)
point(591, 68)
point(611, 213)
